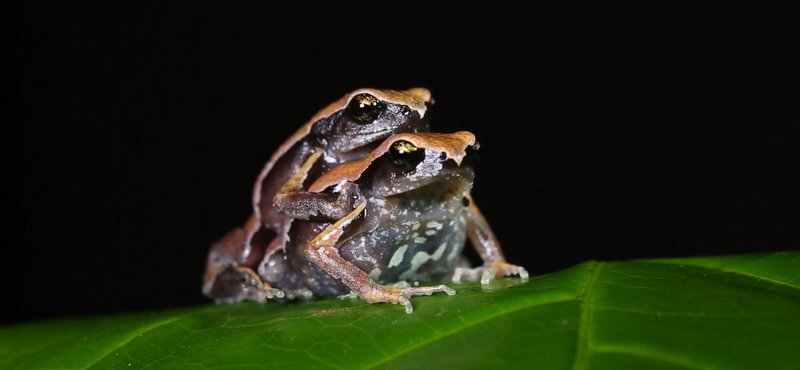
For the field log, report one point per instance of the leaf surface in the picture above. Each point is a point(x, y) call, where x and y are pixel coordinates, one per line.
point(730, 312)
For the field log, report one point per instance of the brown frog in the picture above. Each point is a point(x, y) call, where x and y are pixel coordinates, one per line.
point(347, 129)
point(413, 213)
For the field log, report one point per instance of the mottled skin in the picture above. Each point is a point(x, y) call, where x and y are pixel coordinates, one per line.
point(347, 129)
point(412, 217)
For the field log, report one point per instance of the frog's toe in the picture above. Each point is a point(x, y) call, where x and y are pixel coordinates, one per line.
point(407, 304)
point(465, 275)
point(398, 299)
point(273, 292)
point(500, 269)
point(511, 270)
point(487, 273)
point(352, 294)
point(426, 290)
point(302, 293)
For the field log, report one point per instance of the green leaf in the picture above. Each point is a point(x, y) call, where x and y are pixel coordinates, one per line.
point(736, 312)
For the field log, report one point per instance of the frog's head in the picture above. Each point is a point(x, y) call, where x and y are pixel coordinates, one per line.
point(411, 161)
point(355, 124)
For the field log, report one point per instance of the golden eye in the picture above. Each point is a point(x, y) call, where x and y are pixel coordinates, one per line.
point(406, 156)
point(365, 108)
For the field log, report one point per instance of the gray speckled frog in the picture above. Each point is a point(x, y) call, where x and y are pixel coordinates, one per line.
point(412, 215)
point(347, 129)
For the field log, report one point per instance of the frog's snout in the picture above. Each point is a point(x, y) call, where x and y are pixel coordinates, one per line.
point(472, 153)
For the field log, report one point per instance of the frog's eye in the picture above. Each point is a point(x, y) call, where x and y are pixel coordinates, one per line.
point(364, 108)
point(405, 155)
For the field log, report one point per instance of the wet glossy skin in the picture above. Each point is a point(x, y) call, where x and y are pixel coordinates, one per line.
point(347, 129)
point(411, 224)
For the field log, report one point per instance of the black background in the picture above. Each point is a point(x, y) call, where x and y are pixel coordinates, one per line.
point(607, 133)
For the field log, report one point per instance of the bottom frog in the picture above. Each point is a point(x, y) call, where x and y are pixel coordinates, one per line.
point(413, 216)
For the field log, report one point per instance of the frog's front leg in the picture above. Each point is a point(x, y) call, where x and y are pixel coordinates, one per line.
point(322, 251)
point(293, 201)
point(488, 247)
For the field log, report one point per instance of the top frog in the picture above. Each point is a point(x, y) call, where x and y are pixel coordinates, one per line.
point(345, 130)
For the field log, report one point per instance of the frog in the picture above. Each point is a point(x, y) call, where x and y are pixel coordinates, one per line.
point(346, 129)
point(413, 213)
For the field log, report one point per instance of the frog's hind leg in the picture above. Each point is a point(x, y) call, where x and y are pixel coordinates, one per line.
point(322, 252)
point(228, 276)
point(488, 247)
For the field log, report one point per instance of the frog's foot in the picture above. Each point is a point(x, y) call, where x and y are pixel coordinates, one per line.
point(500, 269)
point(394, 295)
point(302, 293)
point(271, 292)
point(399, 284)
point(265, 291)
point(489, 272)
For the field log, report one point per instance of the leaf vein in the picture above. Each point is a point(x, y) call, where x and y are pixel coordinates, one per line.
point(135, 334)
point(649, 354)
point(743, 273)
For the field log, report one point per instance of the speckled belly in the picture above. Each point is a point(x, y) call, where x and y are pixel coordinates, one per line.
point(426, 250)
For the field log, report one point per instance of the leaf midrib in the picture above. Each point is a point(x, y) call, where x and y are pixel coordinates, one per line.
point(587, 312)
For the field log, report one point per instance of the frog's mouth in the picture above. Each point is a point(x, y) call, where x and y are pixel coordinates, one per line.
point(372, 139)
point(450, 182)
point(441, 191)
